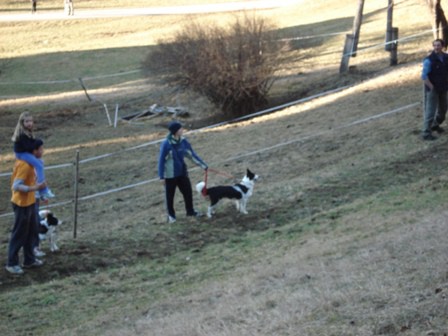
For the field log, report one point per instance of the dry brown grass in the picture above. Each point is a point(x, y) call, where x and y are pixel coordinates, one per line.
point(330, 284)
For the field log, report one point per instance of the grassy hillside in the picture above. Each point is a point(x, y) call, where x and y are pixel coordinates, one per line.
point(345, 231)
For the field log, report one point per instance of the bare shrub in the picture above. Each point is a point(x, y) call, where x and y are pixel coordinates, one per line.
point(233, 67)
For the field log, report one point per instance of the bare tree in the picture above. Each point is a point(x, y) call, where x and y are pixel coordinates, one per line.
point(439, 21)
point(234, 68)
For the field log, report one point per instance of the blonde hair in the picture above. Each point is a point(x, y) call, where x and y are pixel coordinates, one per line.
point(20, 129)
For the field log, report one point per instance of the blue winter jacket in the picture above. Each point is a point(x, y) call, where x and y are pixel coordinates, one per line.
point(171, 158)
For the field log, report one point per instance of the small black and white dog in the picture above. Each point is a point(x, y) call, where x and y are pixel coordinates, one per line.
point(241, 192)
point(47, 227)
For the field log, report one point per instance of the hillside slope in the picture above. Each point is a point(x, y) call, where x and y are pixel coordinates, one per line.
point(352, 245)
point(345, 231)
point(342, 236)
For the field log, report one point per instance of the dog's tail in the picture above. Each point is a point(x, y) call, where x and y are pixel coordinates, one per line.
point(201, 189)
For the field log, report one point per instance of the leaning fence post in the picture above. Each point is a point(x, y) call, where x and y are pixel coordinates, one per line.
point(347, 52)
point(107, 114)
point(75, 206)
point(116, 116)
point(84, 88)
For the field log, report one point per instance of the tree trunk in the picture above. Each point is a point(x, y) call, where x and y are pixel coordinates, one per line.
point(439, 21)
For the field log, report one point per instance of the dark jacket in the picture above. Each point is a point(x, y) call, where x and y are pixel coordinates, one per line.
point(439, 72)
point(24, 144)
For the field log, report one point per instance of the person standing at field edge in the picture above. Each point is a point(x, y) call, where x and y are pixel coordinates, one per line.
point(33, 6)
point(68, 7)
point(435, 79)
point(25, 217)
point(173, 171)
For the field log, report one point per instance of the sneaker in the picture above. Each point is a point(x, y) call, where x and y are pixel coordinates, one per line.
point(437, 129)
point(47, 194)
point(36, 263)
point(171, 219)
point(40, 197)
point(194, 214)
point(38, 253)
point(14, 269)
point(429, 137)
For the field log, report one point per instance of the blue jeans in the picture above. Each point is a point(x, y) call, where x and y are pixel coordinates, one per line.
point(435, 109)
point(22, 235)
point(38, 165)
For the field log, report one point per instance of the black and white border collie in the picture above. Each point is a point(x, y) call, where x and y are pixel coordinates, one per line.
point(241, 192)
point(47, 227)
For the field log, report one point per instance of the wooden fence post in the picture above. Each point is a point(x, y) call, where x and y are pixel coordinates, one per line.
point(116, 116)
point(394, 47)
point(75, 203)
point(357, 27)
point(84, 88)
point(346, 53)
point(390, 11)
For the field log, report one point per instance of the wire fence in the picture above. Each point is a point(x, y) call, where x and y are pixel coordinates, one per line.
point(156, 142)
point(239, 156)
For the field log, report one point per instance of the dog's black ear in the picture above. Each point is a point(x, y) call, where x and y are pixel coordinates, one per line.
point(249, 174)
point(52, 220)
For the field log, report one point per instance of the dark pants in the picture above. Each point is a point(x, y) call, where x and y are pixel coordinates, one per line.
point(184, 185)
point(22, 235)
point(36, 231)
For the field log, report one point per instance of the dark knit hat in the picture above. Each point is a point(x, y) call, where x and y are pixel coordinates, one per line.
point(174, 126)
point(37, 143)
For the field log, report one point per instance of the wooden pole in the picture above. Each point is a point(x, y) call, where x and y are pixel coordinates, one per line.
point(84, 88)
point(357, 27)
point(390, 12)
point(95, 100)
point(348, 48)
point(351, 40)
point(107, 114)
point(394, 47)
point(116, 116)
point(75, 206)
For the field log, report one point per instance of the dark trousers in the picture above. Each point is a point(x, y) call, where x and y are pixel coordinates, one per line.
point(36, 231)
point(22, 235)
point(184, 185)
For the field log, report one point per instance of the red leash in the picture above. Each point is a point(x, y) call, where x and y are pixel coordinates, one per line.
point(217, 172)
point(204, 190)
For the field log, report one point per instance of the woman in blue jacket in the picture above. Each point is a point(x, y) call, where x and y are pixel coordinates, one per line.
point(173, 170)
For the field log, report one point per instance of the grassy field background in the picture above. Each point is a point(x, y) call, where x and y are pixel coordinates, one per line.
point(346, 229)
point(47, 5)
